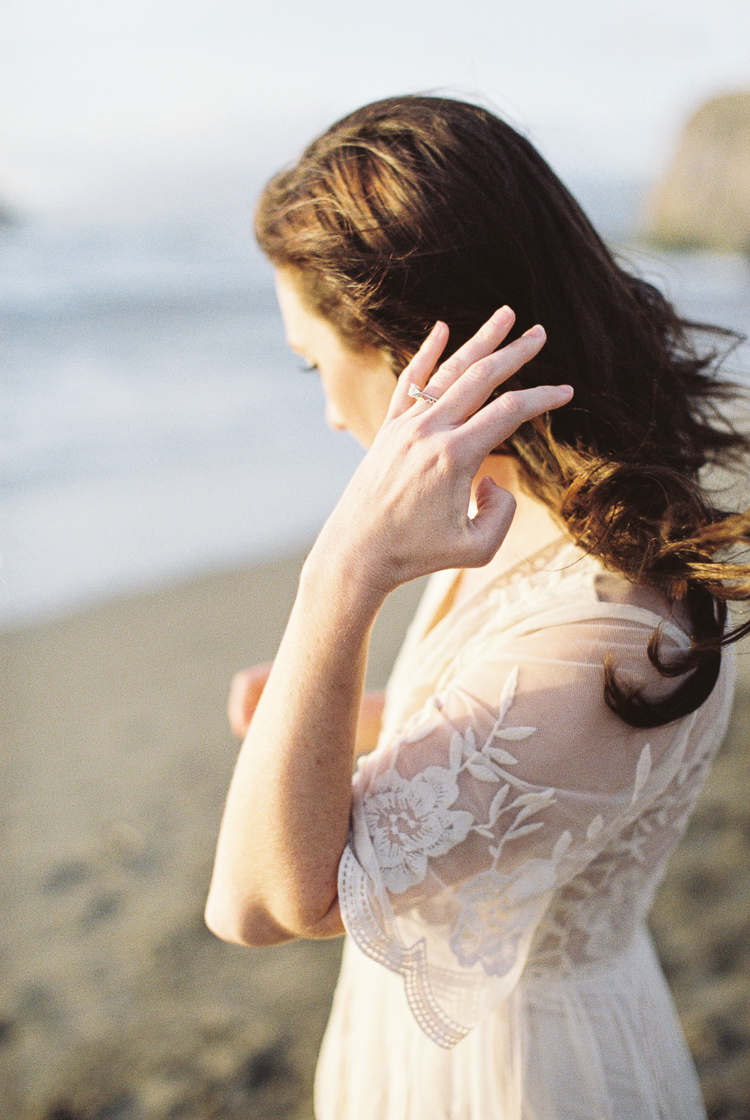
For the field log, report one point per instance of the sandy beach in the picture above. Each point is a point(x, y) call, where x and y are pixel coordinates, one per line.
point(117, 1004)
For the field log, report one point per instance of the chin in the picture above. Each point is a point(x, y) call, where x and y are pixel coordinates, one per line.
point(364, 441)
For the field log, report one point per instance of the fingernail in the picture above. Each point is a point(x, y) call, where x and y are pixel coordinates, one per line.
point(502, 314)
point(566, 389)
point(535, 332)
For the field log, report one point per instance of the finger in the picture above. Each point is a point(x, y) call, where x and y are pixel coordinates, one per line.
point(244, 693)
point(236, 714)
point(489, 526)
point(236, 703)
point(483, 343)
point(418, 371)
point(499, 419)
point(467, 394)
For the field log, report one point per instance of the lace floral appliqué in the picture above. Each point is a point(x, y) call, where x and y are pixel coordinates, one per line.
point(409, 822)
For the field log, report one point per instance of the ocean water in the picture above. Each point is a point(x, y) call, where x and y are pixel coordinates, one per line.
point(153, 424)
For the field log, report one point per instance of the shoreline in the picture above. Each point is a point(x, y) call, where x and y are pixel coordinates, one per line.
point(116, 1001)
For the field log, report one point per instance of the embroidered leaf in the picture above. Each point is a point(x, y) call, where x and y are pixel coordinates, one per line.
point(526, 811)
point(540, 798)
point(595, 828)
point(514, 833)
point(497, 801)
point(515, 732)
point(479, 769)
point(508, 694)
point(531, 803)
point(562, 845)
point(483, 831)
point(470, 742)
point(455, 751)
point(642, 771)
point(509, 688)
point(501, 755)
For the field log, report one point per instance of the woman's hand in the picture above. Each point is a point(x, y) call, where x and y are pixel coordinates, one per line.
point(247, 687)
point(244, 693)
point(405, 512)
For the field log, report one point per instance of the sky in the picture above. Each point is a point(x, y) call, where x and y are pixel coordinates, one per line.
point(117, 91)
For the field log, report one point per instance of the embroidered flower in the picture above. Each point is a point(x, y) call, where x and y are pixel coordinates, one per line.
point(409, 822)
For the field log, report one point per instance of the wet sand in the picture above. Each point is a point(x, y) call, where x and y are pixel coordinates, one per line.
point(115, 1001)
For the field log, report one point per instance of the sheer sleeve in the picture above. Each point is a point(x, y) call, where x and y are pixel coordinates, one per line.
point(507, 782)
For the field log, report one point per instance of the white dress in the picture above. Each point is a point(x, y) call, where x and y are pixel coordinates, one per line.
point(507, 836)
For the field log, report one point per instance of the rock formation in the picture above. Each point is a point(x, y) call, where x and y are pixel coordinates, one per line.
point(703, 200)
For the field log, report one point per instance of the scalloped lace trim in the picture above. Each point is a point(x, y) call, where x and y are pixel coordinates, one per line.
point(410, 963)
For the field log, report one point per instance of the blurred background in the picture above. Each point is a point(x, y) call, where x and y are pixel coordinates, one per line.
point(144, 366)
point(163, 464)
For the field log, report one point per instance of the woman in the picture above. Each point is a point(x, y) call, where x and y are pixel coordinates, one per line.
point(563, 686)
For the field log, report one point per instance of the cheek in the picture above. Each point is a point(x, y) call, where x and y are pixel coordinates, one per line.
point(337, 405)
point(382, 389)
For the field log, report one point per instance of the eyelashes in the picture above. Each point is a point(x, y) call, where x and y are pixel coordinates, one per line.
point(310, 367)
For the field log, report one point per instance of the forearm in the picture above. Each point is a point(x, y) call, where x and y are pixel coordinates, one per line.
point(287, 814)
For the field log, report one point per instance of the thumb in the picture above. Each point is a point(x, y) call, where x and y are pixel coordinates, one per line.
point(495, 510)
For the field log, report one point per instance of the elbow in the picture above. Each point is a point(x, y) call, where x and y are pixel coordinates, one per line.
point(243, 924)
point(254, 926)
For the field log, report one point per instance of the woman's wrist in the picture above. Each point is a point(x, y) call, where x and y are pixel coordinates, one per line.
point(344, 582)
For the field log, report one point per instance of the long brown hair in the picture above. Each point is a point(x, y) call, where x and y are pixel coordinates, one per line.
point(421, 208)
